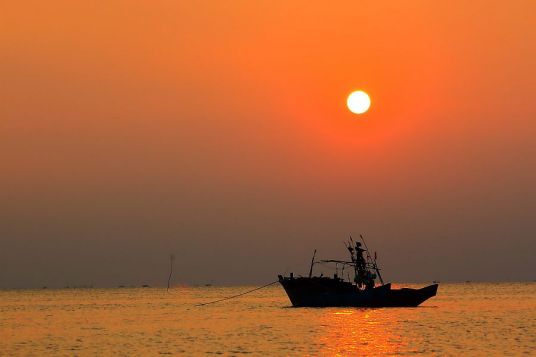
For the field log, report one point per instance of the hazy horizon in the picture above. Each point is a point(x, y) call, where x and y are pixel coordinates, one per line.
point(217, 131)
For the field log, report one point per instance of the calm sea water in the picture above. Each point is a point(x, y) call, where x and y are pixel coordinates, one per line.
point(464, 319)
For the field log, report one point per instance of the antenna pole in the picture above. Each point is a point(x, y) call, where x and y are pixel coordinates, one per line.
point(312, 263)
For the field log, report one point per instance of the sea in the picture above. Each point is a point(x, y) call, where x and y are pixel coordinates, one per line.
point(464, 319)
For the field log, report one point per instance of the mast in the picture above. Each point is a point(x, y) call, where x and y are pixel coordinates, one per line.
point(312, 263)
point(374, 264)
point(350, 248)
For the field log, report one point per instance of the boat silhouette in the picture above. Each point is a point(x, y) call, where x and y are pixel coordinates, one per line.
point(363, 291)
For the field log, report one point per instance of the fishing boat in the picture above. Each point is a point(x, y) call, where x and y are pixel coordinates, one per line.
point(367, 288)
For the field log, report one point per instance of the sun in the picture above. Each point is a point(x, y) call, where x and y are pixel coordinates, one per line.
point(358, 102)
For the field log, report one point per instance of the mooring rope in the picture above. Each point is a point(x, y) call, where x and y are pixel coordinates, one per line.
point(234, 296)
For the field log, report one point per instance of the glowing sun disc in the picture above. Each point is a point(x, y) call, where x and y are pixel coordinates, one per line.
point(358, 102)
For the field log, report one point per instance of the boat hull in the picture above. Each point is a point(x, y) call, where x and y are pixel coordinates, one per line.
point(327, 292)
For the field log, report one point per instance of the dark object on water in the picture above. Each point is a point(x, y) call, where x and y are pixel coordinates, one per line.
point(145, 286)
point(314, 291)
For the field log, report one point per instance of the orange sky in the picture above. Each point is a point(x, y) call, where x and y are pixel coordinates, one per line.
point(218, 130)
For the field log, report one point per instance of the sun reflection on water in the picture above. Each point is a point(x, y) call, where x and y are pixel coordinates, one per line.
point(360, 332)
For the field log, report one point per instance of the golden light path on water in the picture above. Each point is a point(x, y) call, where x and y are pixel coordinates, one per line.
point(358, 331)
point(484, 319)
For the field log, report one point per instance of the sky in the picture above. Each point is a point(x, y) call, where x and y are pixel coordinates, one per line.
point(218, 131)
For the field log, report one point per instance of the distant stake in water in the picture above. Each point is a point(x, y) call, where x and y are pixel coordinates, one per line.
point(171, 258)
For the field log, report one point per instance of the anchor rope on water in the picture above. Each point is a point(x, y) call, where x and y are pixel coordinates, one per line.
point(235, 296)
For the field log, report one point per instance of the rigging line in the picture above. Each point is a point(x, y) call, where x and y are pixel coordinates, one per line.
point(326, 266)
point(234, 296)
